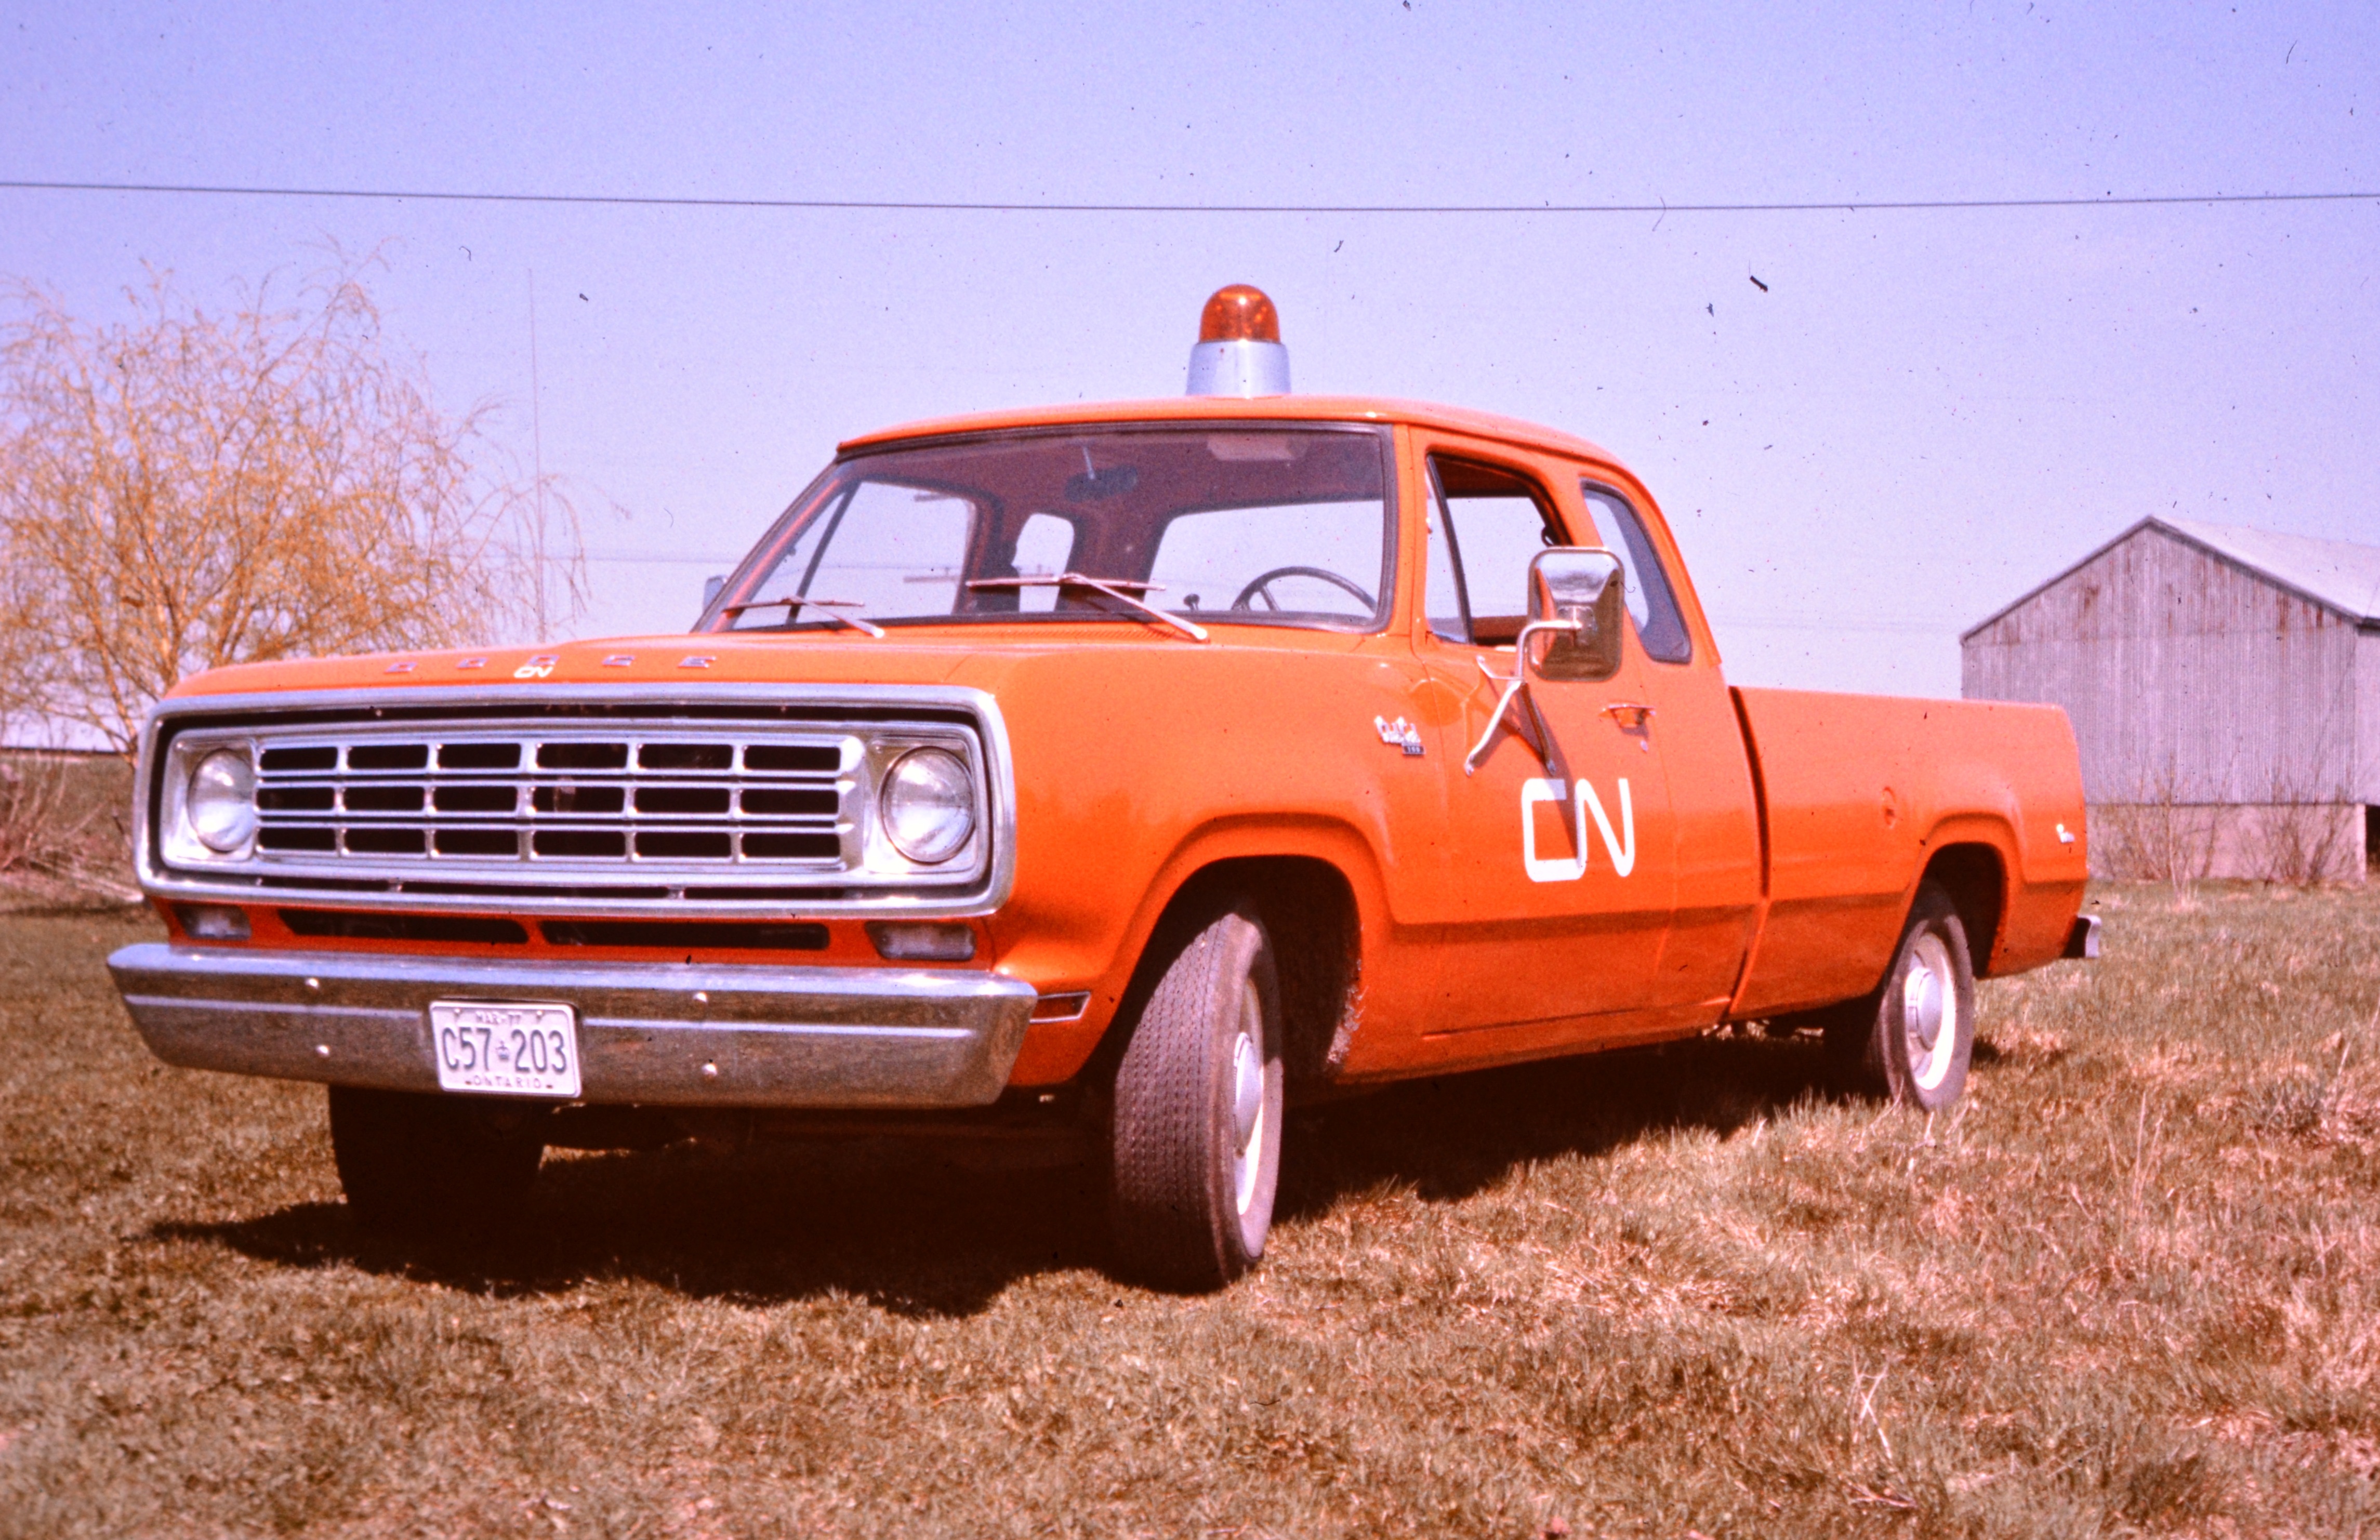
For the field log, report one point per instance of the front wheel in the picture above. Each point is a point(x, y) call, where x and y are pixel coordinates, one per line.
point(1913, 1040)
point(1196, 1137)
point(424, 1164)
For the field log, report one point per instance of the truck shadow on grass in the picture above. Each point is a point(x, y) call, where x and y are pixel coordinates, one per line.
point(1450, 1137)
point(927, 1230)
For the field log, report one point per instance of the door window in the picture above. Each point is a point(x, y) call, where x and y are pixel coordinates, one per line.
point(1486, 523)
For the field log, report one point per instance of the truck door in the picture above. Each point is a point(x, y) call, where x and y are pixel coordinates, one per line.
point(1562, 854)
point(1696, 732)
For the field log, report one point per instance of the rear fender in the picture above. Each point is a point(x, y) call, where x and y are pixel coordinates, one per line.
point(1971, 855)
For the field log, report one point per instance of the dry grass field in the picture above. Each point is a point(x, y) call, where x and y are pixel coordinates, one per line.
point(2133, 1287)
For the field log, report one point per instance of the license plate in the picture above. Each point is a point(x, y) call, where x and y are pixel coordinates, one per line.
point(506, 1047)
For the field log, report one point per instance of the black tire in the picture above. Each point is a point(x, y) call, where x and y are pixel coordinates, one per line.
point(1197, 1112)
point(1913, 1040)
point(425, 1165)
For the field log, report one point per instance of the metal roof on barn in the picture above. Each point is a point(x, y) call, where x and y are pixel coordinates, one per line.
point(2337, 575)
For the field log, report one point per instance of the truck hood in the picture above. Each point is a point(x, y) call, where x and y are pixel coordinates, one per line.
point(979, 655)
point(688, 661)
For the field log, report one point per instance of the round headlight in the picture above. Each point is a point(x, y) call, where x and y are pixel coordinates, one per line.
point(221, 803)
point(927, 802)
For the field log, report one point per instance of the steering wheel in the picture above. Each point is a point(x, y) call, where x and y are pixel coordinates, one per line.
point(1256, 586)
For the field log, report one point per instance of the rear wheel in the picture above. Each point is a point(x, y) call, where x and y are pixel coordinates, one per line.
point(1914, 1040)
point(1197, 1134)
point(420, 1164)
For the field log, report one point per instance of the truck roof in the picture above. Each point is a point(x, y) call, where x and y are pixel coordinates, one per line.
point(1210, 408)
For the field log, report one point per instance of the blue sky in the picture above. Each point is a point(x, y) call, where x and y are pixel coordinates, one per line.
point(1922, 415)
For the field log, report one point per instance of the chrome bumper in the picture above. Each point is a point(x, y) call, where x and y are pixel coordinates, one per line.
point(656, 1034)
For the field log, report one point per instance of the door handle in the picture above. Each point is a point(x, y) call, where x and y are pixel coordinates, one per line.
point(1633, 718)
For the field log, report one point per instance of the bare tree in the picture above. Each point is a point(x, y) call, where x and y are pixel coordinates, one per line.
point(2312, 826)
point(59, 840)
point(2158, 835)
point(191, 488)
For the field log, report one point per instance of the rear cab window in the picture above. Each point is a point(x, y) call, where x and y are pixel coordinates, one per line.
point(1652, 599)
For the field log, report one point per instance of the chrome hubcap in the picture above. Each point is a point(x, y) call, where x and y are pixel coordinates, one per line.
point(1929, 1011)
point(1247, 1103)
point(1247, 1090)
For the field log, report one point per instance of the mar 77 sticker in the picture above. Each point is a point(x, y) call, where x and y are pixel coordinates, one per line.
point(1583, 803)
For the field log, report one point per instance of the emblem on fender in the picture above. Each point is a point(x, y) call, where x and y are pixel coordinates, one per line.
point(1399, 734)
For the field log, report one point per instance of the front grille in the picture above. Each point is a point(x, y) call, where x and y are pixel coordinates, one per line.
point(462, 797)
point(753, 803)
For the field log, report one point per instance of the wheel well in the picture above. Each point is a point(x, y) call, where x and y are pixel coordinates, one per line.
point(1971, 874)
point(1309, 910)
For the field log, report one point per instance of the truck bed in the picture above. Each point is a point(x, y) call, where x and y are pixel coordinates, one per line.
point(1861, 795)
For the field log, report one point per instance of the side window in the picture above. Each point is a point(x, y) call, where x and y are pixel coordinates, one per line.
point(882, 547)
point(1651, 601)
point(1486, 523)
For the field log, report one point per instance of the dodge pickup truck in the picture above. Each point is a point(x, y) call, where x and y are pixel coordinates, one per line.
point(1141, 767)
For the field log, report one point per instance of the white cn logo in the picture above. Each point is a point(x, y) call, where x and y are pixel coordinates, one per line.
point(1582, 802)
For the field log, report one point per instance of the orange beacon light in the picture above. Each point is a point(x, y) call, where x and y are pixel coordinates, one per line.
point(1239, 350)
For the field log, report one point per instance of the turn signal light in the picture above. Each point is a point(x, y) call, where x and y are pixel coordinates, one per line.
point(213, 922)
point(918, 941)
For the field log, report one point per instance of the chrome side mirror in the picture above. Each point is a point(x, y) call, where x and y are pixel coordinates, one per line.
point(711, 586)
point(1577, 615)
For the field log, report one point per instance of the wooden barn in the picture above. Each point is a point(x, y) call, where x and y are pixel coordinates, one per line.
point(2223, 685)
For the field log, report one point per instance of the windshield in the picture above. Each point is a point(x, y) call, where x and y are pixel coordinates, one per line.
point(1277, 525)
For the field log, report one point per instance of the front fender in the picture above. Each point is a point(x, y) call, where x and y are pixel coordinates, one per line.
point(1056, 1050)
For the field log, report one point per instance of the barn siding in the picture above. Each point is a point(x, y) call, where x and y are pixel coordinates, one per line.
point(2367, 716)
point(2188, 680)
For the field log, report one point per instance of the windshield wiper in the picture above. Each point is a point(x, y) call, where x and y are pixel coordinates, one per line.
point(1117, 589)
point(797, 602)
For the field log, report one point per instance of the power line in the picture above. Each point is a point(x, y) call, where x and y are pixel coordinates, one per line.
point(1863, 627)
point(639, 558)
point(863, 205)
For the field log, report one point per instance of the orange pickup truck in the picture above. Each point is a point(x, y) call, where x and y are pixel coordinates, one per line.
point(1131, 767)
